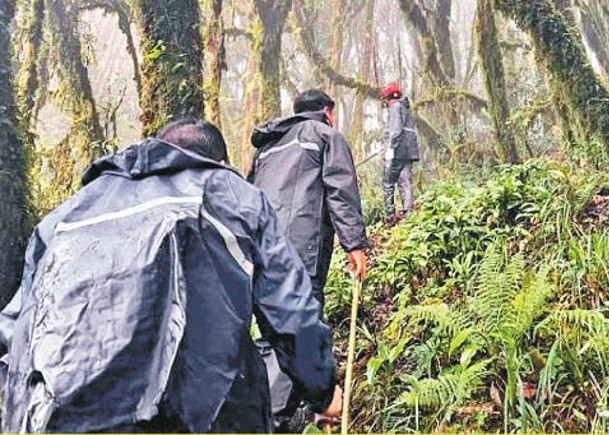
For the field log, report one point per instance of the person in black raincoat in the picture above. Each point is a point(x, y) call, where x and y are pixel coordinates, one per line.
point(401, 149)
point(305, 168)
point(138, 293)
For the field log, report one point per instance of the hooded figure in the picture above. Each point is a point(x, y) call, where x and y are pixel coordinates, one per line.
point(305, 168)
point(401, 149)
point(135, 307)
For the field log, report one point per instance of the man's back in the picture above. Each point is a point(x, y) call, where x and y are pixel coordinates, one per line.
point(139, 294)
point(306, 169)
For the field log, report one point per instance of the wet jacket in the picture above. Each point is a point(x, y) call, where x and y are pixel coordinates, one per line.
point(400, 134)
point(139, 291)
point(305, 168)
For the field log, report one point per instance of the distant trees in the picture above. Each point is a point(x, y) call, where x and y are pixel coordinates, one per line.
point(565, 58)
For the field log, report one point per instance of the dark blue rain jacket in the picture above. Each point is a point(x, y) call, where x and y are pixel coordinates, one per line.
point(138, 293)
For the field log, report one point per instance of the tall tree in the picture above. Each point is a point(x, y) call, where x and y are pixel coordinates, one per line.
point(442, 30)
point(357, 126)
point(596, 31)
point(13, 184)
point(214, 58)
point(172, 73)
point(489, 51)
point(85, 140)
point(28, 76)
point(564, 56)
point(336, 41)
point(272, 14)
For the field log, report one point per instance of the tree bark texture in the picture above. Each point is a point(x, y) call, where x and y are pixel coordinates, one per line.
point(442, 31)
point(414, 15)
point(172, 76)
point(67, 55)
point(357, 126)
point(489, 51)
point(272, 14)
point(564, 56)
point(27, 78)
point(214, 58)
point(13, 180)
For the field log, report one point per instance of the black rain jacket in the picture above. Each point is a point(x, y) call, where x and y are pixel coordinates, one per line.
point(400, 133)
point(305, 168)
point(139, 291)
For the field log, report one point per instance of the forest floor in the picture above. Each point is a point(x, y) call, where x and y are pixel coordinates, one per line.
point(485, 310)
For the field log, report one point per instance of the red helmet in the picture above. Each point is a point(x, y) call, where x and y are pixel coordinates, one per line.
point(392, 90)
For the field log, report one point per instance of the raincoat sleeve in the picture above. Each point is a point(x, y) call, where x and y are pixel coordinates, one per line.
point(289, 315)
point(342, 194)
point(395, 125)
point(9, 314)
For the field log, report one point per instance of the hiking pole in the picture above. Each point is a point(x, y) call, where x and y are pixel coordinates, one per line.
point(344, 424)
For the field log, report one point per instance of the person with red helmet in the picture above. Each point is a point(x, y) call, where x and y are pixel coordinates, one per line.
point(401, 149)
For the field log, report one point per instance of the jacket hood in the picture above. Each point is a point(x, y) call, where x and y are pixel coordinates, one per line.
point(274, 130)
point(150, 157)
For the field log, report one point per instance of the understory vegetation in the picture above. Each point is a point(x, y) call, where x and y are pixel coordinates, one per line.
point(485, 309)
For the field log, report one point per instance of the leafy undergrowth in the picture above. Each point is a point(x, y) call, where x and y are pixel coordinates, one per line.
point(485, 310)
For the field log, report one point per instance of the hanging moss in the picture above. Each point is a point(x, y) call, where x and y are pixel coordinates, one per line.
point(489, 52)
point(13, 183)
point(172, 77)
point(564, 56)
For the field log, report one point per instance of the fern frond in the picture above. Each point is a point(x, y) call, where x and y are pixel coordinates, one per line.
point(591, 323)
point(528, 304)
point(445, 320)
point(447, 390)
point(496, 288)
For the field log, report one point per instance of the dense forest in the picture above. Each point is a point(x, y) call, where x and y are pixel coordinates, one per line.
point(486, 308)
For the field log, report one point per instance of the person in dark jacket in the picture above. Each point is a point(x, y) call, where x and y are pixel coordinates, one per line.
point(401, 149)
point(135, 308)
point(305, 168)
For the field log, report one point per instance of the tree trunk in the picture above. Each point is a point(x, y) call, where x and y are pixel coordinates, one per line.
point(414, 15)
point(13, 180)
point(214, 58)
point(564, 56)
point(27, 78)
point(336, 43)
point(442, 30)
point(357, 126)
point(489, 51)
point(172, 76)
point(272, 14)
point(596, 32)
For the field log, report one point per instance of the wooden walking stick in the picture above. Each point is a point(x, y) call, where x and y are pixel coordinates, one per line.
point(344, 425)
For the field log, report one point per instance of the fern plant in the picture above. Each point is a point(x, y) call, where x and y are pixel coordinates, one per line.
point(492, 325)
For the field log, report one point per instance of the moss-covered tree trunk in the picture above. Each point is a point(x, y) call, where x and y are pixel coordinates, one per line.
point(596, 31)
point(272, 14)
point(417, 20)
point(214, 58)
point(489, 51)
point(357, 126)
point(172, 73)
point(27, 78)
point(336, 43)
point(563, 54)
point(13, 183)
point(442, 31)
